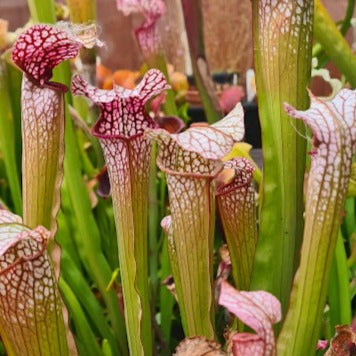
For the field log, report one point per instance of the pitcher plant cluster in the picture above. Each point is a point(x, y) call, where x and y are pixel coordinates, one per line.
point(141, 234)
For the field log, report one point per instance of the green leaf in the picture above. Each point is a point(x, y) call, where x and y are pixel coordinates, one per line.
point(42, 10)
point(339, 296)
point(333, 43)
point(31, 319)
point(282, 40)
point(7, 139)
point(43, 153)
point(334, 144)
point(85, 296)
point(235, 197)
point(190, 161)
point(83, 330)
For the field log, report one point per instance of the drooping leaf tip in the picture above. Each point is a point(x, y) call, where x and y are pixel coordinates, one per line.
point(42, 47)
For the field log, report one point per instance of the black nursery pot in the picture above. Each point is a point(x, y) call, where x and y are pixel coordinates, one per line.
point(224, 77)
point(196, 114)
point(252, 125)
point(252, 122)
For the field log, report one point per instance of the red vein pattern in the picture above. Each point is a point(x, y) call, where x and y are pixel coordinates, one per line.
point(42, 47)
point(190, 161)
point(237, 209)
point(31, 320)
point(122, 110)
point(146, 34)
point(283, 34)
point(37, 51)
point(43, 152)
point(8, 217)
point(334, 128)
point(260, 311)
point(215, 140)
point(120, 129)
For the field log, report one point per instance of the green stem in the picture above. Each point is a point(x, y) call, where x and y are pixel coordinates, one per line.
point(237, 210)
point(318, 49)
point(348, 16)
point(82, 11)
point(42, 159)
point(283, 63)
point(14, 87)
point(166, 300)
point(64, 235)
point(7, 140)
point(153, 223)
point(334, 147)
point(190, 246)
point(349, 223)
point(170, 109)
point(169, 106)
point(89, 234)
point(130, 202)
point(106, 348)
point(333, 43)
point(85, 334)
point(79, 286)
point(339, 288)
point(42, 10)
point(104, 216)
